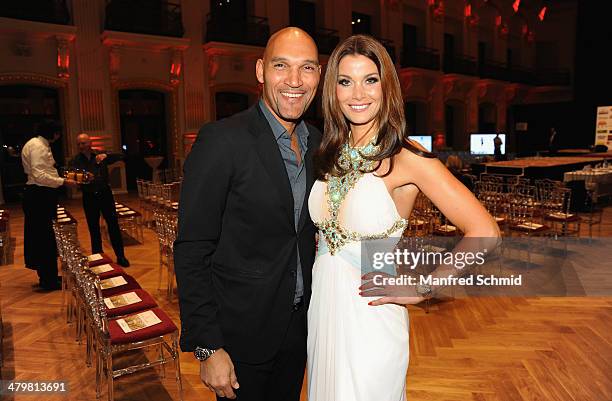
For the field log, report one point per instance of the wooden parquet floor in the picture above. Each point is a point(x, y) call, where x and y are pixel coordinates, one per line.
point(481, 349)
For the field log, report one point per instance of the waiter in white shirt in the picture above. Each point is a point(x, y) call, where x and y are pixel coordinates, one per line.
point(40, 203)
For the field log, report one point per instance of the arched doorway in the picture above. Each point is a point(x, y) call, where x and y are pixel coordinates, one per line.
point(487, 117)
point(143, 122)
point(454, 122)
point(22, 109)
point(416, 117)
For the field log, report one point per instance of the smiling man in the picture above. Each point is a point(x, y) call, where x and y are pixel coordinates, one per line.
point(245, 244)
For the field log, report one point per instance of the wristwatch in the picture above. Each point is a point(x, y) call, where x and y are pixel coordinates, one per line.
point(203, 354)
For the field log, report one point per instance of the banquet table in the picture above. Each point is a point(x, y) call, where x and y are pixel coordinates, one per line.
point(598, 179)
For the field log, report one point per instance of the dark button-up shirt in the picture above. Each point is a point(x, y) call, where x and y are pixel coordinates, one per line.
point(99, 170)
point(296, 173)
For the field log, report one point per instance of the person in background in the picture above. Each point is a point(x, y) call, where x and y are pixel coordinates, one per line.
point(497, 144)
point(40, 205)
point(98, 196)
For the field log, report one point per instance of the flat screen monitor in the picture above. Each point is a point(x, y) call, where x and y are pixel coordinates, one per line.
point(423, 140)
point(482, 144)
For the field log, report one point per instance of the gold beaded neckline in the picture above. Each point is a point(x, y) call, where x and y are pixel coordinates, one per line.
point(353, 161)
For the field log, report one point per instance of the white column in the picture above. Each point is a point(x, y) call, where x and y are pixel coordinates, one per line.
point(93, 74)
point(195, 90)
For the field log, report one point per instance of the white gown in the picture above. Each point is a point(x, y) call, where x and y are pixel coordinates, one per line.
point(356, 352)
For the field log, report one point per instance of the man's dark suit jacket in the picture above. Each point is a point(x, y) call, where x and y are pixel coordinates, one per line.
point(235, 253)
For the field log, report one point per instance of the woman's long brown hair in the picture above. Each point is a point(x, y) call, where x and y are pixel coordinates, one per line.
point(390, 121)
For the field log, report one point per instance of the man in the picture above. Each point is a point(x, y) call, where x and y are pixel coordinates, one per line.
point(245, 245)
point(497, 144)
point(40, 205)
point(98, 197)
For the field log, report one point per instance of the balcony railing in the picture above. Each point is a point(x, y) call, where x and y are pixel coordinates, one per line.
point(142, 16)
point(460, 64)
point(388, 44)
point(49, 11)
point(327, 40)
point(221, 27)
point(494, 70)
point(421, 57)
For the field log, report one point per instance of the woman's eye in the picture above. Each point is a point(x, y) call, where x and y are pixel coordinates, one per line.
point(372, 80)
point(344, 82)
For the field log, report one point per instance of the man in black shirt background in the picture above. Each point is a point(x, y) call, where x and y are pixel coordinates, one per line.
point(98, 196)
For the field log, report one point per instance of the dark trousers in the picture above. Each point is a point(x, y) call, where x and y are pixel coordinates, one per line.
point(281, 378)
point(102, 202)
point(40, 250)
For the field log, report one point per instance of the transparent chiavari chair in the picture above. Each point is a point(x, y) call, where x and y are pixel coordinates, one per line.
point(521, 216)
point(171, 225)
point(492, 178)
point(110, 340)
point(5, 238)
point(543, 188)
point(555, 204)
point(65, 238)
point(422, 219)
point(491, 195)
point(141, 194)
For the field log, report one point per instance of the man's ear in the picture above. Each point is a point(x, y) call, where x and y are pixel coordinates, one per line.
point(259, 71)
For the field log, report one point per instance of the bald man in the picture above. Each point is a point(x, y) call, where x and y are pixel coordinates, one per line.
point(246, 243)
point(98, 197)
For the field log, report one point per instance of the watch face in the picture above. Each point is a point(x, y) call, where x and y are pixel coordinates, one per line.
point(200, 354)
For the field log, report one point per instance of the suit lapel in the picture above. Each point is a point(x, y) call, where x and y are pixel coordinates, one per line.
point(272, 160)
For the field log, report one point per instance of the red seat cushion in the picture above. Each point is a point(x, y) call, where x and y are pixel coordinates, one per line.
point(118, 336)
point(147, 303)
point(131, 285)
point(105, 259)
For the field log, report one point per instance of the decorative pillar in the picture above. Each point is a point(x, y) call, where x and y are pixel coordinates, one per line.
point(472, 109)
point(195, 87)
point(434, 25)
point(436, 106)
point(114, 62)
point(470, 29)
point(93, 75)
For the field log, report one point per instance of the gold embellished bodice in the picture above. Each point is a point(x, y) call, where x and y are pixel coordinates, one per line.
point(372, 203)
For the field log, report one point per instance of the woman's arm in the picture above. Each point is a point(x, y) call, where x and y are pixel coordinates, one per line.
point(449, 195)
point(457, 203)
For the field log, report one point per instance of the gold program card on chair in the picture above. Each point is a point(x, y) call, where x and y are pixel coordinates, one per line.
point(560, 215)
point(112, 282)
point(531, 226)
point(101, 269)
point(122, 300)
point(139, 321)
point(94, 257)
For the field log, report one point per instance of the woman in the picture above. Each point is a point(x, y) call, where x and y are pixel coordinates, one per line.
point(369, 175)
